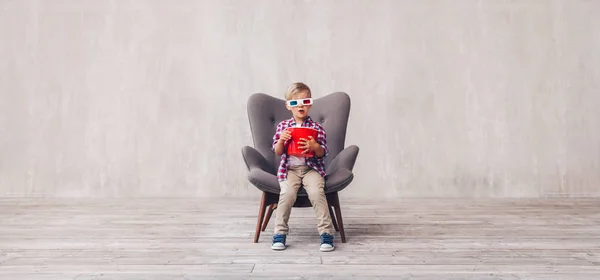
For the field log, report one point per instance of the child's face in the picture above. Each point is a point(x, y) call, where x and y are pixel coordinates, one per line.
point(300, 111)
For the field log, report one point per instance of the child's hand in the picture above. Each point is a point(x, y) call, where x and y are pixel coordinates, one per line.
point(308, 145)
point(285, 135)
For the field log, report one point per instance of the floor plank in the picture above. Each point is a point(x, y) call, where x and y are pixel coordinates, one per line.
point(397, 239)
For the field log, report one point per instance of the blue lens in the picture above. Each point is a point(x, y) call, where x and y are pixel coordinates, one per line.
point(293, 102)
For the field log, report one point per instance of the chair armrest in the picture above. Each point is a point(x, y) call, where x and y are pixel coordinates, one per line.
point(254, 159)
point(345, 159)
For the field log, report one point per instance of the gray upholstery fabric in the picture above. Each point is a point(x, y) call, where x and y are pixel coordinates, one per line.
point(331, 111)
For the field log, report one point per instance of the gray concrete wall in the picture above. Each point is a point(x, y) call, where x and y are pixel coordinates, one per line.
point(450, 98)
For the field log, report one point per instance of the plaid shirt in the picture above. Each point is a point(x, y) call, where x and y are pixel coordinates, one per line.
point(317, 163)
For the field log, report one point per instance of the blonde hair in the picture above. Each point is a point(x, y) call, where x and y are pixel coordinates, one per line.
point(296, 88)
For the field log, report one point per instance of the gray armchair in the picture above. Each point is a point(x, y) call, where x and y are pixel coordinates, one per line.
point(264, 113)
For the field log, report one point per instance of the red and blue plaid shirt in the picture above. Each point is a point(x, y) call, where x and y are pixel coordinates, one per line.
point(317, 163)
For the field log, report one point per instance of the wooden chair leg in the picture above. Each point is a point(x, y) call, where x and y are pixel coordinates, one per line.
point(338, 214)
point(269, 213)
point(261, 216)
point(334, 200)
point(333, 219)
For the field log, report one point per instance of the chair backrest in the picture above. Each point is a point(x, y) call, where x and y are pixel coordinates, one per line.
point(265, 112)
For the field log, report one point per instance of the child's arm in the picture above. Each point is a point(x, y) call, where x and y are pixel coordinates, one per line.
point(280, 145)
point(322, 151)
point(279, 140)
point(319, 151)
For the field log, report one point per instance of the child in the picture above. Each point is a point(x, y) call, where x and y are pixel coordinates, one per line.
point(293, 171)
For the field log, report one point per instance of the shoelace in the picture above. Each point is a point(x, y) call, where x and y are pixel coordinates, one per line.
point(279, 238)
point(326, 238)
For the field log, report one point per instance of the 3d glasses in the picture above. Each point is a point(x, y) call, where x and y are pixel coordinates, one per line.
point(297, 102)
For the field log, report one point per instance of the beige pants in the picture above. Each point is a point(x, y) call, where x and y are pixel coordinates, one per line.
point(314, 185)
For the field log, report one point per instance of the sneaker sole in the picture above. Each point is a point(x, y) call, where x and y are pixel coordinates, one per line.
point(327, 249)
point(278, 248)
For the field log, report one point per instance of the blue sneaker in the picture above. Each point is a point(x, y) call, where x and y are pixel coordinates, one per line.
point(278, 242)
point(326, 243)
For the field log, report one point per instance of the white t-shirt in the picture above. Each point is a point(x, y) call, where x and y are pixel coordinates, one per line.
point(295, 161)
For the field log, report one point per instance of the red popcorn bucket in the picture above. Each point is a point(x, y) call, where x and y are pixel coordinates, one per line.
point(297, 133)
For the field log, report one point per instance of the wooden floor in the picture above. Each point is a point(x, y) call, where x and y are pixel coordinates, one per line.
point(402, 239)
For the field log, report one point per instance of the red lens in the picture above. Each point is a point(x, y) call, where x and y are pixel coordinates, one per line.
point(306, 101)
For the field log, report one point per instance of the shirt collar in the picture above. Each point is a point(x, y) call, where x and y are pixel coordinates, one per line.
point(292, 121)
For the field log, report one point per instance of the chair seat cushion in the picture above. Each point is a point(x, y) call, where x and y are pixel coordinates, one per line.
point(267, 182)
